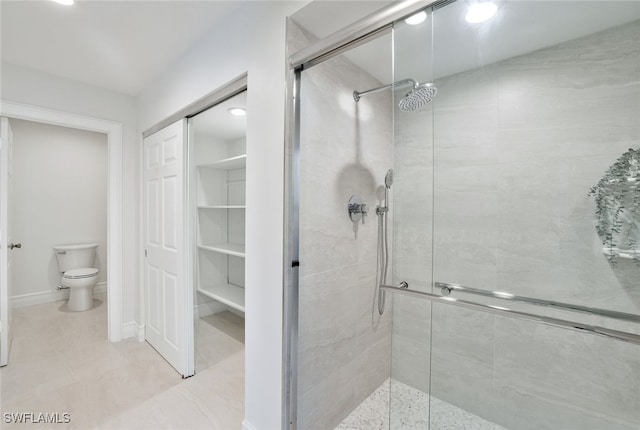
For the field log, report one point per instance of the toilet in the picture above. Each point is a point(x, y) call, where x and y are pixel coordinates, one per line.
point(79, 275)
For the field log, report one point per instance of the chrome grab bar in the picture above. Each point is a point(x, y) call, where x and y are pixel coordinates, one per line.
point(501, 311)
point(447, 288)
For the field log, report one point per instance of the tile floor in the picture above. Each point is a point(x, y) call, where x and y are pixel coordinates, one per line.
point(410, 410)
point(62, 362)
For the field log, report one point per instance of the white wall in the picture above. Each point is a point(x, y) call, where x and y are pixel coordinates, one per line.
point(36, 88)
point(60, 197)
point(252, 40)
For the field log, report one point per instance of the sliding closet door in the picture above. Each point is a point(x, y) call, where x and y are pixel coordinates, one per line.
point(168, 297)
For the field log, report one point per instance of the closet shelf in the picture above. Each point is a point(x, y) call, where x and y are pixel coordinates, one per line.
point(225, 248)
point(222, 207)
point(229, 294)
point(239, 162)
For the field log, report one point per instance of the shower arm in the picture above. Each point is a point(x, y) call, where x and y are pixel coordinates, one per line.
point(357, 94)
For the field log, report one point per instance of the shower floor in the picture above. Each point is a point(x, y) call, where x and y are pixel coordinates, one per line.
point(410, 411)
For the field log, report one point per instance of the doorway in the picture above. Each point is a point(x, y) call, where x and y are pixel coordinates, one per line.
point(193, 169)
point(59, 198)
point(114, 133)
point(217, 170)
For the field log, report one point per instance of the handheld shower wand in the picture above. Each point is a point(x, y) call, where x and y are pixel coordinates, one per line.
point(382, 211)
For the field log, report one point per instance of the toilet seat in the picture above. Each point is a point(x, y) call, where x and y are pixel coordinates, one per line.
point(80, 273)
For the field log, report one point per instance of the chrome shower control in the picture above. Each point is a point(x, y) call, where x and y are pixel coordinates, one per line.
point(357, 209)
point(363, 211)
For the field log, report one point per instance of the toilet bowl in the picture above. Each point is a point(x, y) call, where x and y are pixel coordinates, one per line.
point(80, 283)
point(75, 261)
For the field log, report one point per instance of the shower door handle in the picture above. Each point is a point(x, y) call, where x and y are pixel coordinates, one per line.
point(630, 337)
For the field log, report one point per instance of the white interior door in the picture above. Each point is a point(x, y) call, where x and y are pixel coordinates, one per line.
point(168, 297)
point(6, 246)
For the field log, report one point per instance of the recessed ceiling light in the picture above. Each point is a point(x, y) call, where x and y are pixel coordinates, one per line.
point(64, 2)
point(480, 12)
point(237, 111)
point(416, 19)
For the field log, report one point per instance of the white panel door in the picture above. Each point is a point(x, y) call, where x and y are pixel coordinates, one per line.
point(6, 246)
point(168, 298)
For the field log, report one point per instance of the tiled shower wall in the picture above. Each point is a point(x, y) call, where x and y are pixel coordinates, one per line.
point(518, 144)
point(345, 149)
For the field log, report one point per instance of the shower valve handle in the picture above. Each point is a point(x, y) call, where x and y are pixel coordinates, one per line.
point(357, 209)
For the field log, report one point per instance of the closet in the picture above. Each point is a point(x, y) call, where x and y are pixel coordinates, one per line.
point(217, 164)
point(194, 204)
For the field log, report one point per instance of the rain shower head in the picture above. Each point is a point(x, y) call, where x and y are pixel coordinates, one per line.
point(420, 95)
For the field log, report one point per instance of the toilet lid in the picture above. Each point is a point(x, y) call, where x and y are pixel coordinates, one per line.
point(80, 273)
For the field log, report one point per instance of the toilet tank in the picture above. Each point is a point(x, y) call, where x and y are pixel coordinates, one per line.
point(75, 256)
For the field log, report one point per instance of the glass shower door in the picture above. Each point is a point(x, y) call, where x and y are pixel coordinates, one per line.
point(344, 150)
point(516, 191)
point(412, 214)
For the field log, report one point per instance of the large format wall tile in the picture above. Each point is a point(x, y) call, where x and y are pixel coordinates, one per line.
point(574, 380)
point(345, 149)
point(411, 353)
point(498, 180)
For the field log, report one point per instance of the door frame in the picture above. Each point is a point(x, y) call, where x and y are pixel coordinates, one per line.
point(114, 133)
point(6, 181)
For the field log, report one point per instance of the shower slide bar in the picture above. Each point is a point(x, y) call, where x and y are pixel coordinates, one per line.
point(501, 311)
point(447, 288)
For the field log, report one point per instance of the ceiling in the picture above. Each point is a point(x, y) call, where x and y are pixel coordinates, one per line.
point(124, 45)
point(321, 18)
point(117, 45)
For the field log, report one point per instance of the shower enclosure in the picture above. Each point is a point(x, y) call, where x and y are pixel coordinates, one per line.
point(508, 195)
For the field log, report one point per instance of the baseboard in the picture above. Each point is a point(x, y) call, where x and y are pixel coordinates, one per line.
point(101, 288)
point(246, 425)
point(133, 329)
point(38, 298)
point(49, 296)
